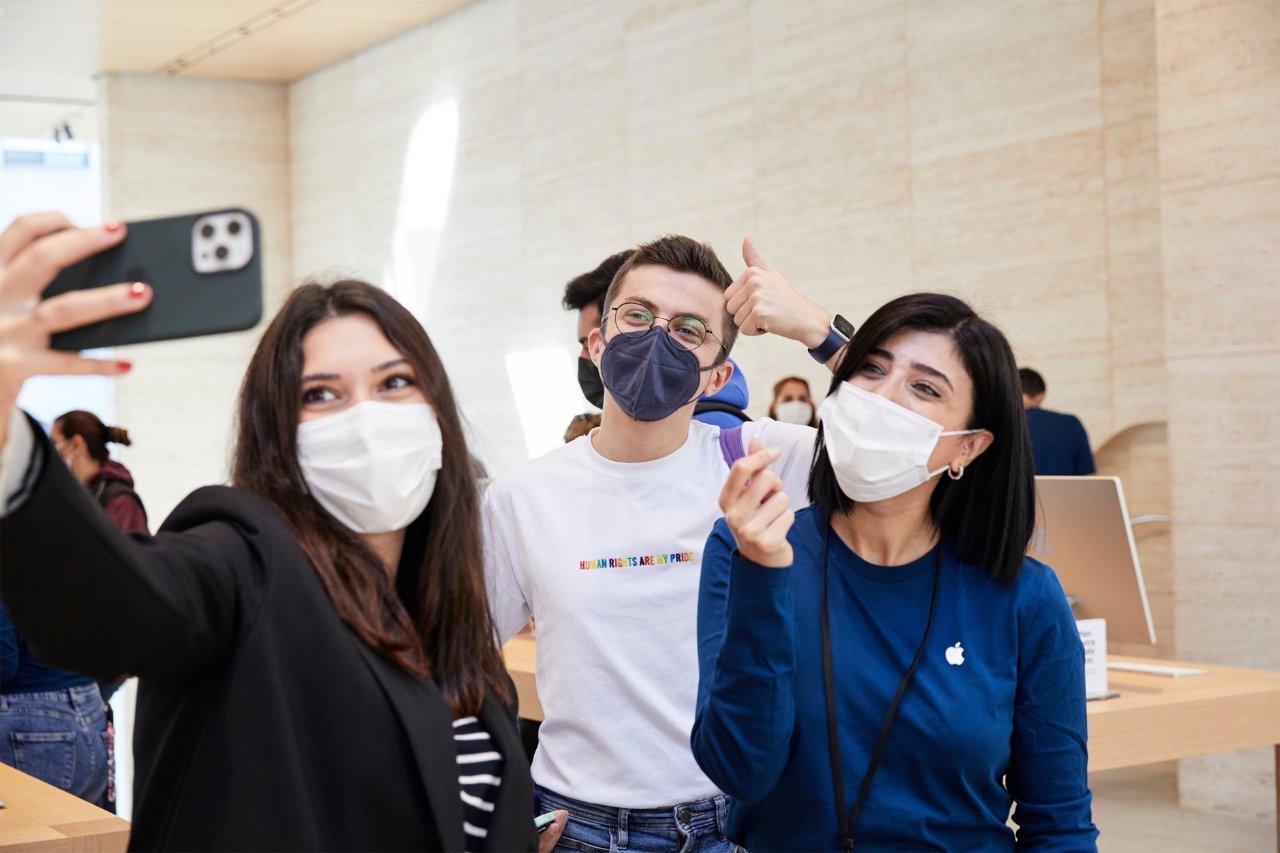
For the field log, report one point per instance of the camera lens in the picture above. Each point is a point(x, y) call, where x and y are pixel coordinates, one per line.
point(206, 230)
point(233, 228)
point(221, 252)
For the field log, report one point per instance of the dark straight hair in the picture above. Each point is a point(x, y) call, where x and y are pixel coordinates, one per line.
point(989, 513)
point(95, 433)
point(590, 287)
point(435, 619)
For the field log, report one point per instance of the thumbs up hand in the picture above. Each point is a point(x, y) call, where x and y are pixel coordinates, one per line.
point(762, 300)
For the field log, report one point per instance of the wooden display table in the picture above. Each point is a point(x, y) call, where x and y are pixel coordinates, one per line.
point(1155, 718)
point(38, 816)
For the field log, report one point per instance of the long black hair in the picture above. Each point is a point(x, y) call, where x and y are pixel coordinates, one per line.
point(990, 512)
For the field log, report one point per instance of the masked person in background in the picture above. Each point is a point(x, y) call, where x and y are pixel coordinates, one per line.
point(601, 541)
point(886, 669)
point(585, 294)
point(792, 402)
point(337, 583)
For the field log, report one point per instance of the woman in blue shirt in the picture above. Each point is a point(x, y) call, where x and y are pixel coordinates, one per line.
point(886, 669)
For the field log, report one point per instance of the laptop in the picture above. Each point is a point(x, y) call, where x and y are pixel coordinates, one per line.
point(1083, 534)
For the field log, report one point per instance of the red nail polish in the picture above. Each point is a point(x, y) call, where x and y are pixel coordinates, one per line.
point(111, 227)
point(137, 290)
point(124, 366)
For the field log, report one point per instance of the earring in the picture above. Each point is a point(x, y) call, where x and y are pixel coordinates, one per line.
point(954, 474)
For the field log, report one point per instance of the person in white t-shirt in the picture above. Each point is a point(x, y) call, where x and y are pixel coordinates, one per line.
point(601, 540)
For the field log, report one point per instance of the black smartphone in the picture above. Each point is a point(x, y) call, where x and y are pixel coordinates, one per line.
point(205, 273)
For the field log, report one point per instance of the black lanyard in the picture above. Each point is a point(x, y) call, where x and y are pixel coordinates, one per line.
point(849, 819)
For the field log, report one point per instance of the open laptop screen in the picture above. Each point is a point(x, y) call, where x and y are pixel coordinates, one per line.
point(1083, 534)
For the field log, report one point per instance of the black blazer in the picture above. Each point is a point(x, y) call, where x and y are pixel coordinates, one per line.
point(263, 722)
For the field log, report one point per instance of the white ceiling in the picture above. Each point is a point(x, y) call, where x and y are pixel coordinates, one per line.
point(52, 50)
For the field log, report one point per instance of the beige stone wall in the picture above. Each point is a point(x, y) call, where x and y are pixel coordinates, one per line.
point(173, 145)
point(1219, 142)
point(1004, 151)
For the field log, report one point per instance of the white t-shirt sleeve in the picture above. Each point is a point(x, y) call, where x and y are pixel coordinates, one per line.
point(507, 601)
point(15, 462)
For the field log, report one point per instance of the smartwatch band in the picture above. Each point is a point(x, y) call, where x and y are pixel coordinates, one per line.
point(839, 334)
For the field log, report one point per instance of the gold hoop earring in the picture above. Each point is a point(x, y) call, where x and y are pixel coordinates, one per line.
point(954, 474)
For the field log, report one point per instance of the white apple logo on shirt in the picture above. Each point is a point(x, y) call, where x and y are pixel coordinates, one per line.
point(955, 655)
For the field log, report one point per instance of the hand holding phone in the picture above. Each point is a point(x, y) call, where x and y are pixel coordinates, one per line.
point(550, 826)
point(32, 250)
point(205, 270)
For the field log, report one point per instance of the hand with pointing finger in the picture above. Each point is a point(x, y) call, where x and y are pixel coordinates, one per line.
point(755, 508)
point(762, 300)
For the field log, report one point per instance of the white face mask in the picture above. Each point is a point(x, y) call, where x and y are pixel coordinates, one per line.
point(794, 412)
point(878, 449)
point(372, 466)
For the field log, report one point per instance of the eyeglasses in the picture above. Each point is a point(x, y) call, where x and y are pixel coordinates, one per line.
point(633, 318)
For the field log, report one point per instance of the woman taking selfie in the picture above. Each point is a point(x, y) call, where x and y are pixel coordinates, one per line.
point(886, 670)
point(317, 663)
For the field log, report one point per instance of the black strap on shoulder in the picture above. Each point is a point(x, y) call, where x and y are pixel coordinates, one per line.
point(717, 406)
point(848, 820)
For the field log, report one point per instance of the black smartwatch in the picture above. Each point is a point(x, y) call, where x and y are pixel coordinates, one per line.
point(840, 334)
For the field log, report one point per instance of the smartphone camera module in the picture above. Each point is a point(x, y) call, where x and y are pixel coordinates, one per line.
point(221, 242)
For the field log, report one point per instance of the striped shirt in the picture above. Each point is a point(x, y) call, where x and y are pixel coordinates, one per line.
point(479, 775)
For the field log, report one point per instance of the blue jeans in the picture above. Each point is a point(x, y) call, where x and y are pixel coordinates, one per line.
point(682, 828)
point(59, 736)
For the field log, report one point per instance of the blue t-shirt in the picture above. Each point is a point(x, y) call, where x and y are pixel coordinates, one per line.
point(997, 699)
point(1059, 444)
point(23, 672)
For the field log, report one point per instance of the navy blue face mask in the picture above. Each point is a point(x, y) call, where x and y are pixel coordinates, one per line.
point(649, 375)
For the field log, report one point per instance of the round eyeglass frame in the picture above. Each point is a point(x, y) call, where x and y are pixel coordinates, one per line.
point(654, 318)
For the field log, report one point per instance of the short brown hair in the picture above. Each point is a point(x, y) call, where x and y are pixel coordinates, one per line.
point(682, 254)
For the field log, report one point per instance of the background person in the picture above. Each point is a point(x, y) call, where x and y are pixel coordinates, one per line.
point(338, 584)
point(81, 440)
point(585, 294)
point(885, 669)
point(1059, 443)
point(792, 402)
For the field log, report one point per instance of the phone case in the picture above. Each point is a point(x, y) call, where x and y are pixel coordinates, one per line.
point(185, 302)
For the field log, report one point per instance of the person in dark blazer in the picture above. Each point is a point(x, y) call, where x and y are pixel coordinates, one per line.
point(317, 661)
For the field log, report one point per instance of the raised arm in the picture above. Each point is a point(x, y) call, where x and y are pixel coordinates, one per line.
point(746, 653)
point(92, 599)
